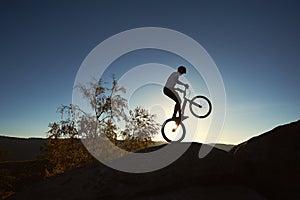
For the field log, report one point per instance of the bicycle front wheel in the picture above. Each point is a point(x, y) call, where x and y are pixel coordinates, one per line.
point(172, 132)
point(200, 106)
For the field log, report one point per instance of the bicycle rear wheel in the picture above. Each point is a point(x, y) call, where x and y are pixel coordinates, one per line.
point(171, 132)
point(200, 106)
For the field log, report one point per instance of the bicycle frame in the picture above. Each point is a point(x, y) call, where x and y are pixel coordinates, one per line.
point(185, 100)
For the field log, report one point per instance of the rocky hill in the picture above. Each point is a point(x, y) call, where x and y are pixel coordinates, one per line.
point(264, 167)
point(212, 177)
point(271, 162)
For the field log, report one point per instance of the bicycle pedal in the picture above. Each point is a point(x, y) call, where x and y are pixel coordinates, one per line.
point(184, 117)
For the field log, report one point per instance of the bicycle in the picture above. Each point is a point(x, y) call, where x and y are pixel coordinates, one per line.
point(200, 107)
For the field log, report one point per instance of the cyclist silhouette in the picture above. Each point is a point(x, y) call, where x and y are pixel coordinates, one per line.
point(170, 91)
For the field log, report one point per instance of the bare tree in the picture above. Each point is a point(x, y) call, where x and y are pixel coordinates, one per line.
point(141, 124)
point(109, 106)
point(99, 131)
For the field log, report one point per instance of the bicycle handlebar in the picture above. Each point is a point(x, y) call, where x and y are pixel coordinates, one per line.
point(182, 91)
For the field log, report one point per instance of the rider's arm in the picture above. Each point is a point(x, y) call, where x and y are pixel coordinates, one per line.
point(181, 83)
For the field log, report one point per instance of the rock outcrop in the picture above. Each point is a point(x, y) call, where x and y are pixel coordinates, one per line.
point(271, 162)
point(212, 177)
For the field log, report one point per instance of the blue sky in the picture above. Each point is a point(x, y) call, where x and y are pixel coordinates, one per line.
point(255, 45)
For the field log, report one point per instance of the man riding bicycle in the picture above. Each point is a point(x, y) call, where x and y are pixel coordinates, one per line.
point(170, 90)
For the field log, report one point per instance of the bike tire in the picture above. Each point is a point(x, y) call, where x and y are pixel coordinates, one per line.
point(206, 111)
point(165, 136)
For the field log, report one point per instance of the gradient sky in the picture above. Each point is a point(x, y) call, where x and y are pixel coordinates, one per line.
point(255, 45)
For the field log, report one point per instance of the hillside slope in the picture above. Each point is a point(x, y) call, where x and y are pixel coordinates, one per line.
point(209, 178)
point(270, 162)
point(266, 166)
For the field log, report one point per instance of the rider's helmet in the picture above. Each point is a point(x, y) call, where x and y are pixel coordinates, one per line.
point(182, 70)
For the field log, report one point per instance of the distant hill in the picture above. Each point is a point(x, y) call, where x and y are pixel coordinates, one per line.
point(17, 149)
point(20, 149)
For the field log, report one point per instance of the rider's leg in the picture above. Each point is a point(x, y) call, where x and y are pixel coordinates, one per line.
point(178, 104)
point(175, 97)
point(177, 108)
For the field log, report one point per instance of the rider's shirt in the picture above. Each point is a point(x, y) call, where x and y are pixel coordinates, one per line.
point(172, 80)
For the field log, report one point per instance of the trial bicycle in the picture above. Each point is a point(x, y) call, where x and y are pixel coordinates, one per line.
point(200, 106)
